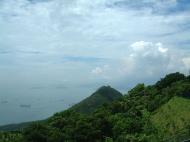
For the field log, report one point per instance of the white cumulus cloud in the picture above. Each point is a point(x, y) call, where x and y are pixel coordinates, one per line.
point(97, 70)
point(186, 62)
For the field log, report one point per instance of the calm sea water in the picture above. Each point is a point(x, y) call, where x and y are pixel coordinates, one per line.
point(21, 105)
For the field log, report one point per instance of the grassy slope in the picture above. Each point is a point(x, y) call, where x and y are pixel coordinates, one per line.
point(171, 118)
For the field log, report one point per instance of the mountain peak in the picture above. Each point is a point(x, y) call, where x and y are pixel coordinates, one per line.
point(108, 92)
point(104, 94)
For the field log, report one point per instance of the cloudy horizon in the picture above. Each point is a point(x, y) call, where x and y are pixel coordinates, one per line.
point(67, 47)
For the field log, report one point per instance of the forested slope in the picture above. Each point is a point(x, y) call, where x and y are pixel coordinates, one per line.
point(104, 94)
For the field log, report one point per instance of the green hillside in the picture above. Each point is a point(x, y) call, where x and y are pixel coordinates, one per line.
point(154, 113)
point(173, 117)
point(103, 95)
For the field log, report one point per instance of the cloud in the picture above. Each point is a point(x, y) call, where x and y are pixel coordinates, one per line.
point(97, 70)
point(147, 48)
point(146, 59)
point(141, 45)
point(159, 7)
point(163, 50)
point(100, 70)
point(76, 39)
point(103, 74)
point(186, 62)
point(83, 59)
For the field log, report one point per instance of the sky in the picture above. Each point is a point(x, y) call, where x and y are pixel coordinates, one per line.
point(66, 49)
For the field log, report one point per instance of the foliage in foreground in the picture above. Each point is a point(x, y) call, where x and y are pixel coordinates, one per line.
point(11, 137)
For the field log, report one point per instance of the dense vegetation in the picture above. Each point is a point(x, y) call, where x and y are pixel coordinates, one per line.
point(157, 112)
point(11, 137)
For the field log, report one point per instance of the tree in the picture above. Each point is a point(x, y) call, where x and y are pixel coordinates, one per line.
point(137, 90)
point(36, 133)
point(169, 79)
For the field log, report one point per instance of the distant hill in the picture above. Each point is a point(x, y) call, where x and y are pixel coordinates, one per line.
point(15, 127)
point(104, 94)
point(19, 126)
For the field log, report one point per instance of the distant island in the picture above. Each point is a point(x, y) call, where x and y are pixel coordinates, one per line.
point(25, 106)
